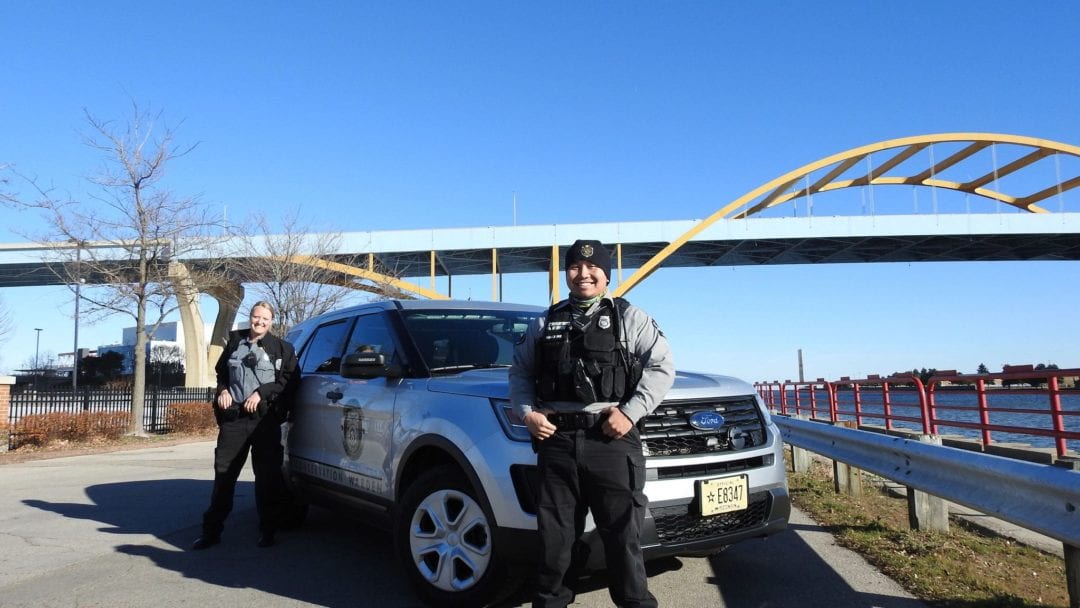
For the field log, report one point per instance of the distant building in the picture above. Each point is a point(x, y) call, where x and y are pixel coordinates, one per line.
point(168, 335)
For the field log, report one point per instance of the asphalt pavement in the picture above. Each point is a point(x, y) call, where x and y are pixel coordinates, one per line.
point(114, 530)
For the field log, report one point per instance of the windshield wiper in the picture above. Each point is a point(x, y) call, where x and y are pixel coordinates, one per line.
point(468, 366)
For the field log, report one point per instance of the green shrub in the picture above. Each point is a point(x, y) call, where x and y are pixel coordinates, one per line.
point(191, 417)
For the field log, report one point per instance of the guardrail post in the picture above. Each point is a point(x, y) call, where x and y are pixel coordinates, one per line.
point(1072, 554)
point(927, 512)
point(1072, 575)
point(800, 458)
point(846, 478)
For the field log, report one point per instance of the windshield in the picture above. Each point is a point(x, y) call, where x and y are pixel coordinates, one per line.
point(453, 340)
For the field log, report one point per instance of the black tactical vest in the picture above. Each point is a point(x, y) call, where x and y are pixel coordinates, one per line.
point(586, 364)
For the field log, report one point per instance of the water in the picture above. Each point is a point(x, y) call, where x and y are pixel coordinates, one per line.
point(906, 403)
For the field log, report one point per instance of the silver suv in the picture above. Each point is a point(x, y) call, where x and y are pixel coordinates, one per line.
point(403, 417)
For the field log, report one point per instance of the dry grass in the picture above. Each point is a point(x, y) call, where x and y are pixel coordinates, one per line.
point(62, 434)
point(965, 567)
point(85, 428)
point(43, 429)
point(192, 417)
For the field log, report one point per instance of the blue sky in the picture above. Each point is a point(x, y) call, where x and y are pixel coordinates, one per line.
point(589, 112)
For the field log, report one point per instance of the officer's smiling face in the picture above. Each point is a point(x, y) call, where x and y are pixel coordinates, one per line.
point(261, 319)
point(586, 280)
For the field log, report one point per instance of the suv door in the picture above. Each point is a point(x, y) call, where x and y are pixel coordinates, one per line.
point(342, 426)
point(317, 417)
point(367, 406)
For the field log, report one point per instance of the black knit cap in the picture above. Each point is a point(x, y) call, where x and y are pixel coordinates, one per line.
point(593, 252)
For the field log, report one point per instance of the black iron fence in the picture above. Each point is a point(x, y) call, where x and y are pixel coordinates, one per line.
point(30, 402)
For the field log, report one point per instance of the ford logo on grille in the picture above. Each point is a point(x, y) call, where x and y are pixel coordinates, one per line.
point(706, 421)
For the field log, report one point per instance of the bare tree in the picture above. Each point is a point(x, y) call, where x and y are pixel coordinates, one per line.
point(166, 365)
point(6, 324)
point(44, 362)
point(268, 260)
point(167, 353)
point(125, 235)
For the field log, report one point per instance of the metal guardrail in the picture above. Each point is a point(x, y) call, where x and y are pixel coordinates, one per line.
point(1042, 498)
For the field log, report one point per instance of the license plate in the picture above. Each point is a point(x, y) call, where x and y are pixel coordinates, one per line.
point(722, 495)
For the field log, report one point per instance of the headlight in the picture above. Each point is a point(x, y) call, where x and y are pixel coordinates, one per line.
point(511, 423)
point(764, 410)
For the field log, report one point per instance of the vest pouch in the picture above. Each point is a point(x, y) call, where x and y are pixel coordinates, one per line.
point(545, 389)
point(607, 384)
point(584, 387)
point(599, 341)
point(600, 372)
point(564, 380)
point(635, 373)
point(618, 384)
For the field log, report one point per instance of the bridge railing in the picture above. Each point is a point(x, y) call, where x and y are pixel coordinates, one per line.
point(891, 401)
point(1018, 404)
point(968, 401)
point(812, 398)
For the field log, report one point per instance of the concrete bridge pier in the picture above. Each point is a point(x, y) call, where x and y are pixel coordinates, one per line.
point(228, 298)
point(199, 356)
point(198, 373)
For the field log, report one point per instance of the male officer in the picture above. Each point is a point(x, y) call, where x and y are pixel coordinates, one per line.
point(254, 376)
point(582, 378)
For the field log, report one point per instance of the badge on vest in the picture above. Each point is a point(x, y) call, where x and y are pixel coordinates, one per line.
point(604, 322)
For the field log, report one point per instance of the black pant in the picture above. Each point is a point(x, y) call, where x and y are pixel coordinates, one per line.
point(585, 468)
point(262, 435)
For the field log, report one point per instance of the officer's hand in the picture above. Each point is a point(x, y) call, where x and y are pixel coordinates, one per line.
point(224, 400)
point(539, 426)
point(617, 424)
point(252, 402)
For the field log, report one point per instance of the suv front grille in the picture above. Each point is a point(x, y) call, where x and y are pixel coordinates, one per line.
point(681, 523)
point(667, 431)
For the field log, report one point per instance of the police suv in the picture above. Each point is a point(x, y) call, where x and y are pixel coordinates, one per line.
point(402, 416)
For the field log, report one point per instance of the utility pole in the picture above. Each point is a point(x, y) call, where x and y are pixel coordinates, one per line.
point(37, 351)
point(801, 379)
point(75, 352)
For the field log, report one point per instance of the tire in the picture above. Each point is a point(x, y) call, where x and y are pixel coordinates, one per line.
point(445, 538)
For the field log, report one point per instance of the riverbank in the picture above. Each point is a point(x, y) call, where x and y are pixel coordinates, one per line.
point(977, 563)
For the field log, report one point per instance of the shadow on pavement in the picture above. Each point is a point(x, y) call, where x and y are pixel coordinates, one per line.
point(334, 561)
point(788, 573)
point(330, 561)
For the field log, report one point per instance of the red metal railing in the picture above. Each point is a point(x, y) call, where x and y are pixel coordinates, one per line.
point(1019, 400)
point(806, 397)
point(882, 392)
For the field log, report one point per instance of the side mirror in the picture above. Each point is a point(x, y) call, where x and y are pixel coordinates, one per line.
point(369, 365)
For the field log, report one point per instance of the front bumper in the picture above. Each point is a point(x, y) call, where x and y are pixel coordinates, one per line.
point(673, 531)
point(678, 530)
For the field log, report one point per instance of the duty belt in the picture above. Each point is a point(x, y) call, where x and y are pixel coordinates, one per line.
point(574, 421)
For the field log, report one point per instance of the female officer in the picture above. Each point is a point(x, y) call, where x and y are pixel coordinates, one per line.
point(254, 375)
